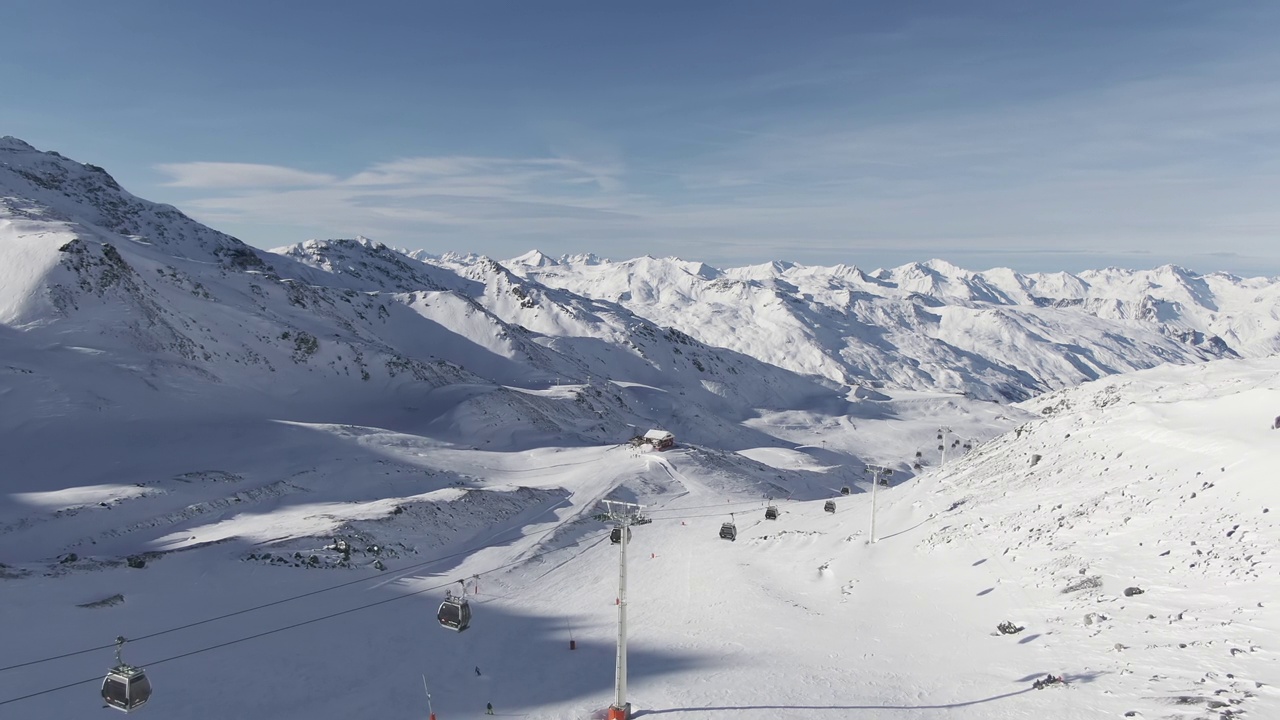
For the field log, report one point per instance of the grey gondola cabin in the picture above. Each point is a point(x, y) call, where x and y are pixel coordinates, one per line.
point(125, 687)
point(615, 535)
point(455, 613)
point(771, 512)
point(830, 506)
point(729, 531)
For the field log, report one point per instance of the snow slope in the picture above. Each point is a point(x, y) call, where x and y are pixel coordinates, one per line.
point(1159, 480)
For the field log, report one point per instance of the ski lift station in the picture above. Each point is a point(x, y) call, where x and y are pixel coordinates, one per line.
point(659, 439)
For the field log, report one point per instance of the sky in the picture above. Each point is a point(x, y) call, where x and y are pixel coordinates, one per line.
point(1037, 136)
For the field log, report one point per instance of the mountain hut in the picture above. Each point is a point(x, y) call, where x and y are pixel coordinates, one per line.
point(660, 439)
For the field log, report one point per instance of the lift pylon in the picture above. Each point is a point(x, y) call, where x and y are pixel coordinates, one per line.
point(623, 515)
point(431, 711)
point(878, 473)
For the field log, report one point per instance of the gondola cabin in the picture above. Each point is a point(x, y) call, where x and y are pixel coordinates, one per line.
point(126, 688)
point(615, 535)
point(771, 513)
point(455, 613)
point(728, 531)
point(830, 506)
point(845, 490)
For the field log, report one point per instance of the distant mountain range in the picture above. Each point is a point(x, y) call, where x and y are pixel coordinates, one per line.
point(995, 334)
point(177, 306)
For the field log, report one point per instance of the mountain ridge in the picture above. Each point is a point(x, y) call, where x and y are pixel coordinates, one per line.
point(188, 310)
point(69, 231)
point(1124, 319)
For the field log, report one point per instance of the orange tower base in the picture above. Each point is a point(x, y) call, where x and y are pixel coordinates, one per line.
point(620, 713)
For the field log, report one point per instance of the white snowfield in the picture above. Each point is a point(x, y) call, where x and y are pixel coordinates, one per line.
point(317, 444)
point(1162, 480)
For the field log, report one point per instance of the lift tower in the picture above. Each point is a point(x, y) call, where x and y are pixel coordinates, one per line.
point(879, 474)
point(623, 515)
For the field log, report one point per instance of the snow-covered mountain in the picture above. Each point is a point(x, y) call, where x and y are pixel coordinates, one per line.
point(265, 467)
point(995, 334)
point(71, 233)
point(90, 272)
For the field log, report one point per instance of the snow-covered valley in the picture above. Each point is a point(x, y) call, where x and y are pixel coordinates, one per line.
point(267, 469)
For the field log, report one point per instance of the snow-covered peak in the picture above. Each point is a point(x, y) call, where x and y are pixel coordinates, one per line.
point(9, 143)
point(945, 268)
point(582, 259)
point(760, 272)
point(49, 186)
point(533, 258)
point(363, 264)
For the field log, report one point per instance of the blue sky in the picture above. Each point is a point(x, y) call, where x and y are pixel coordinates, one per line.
point(1039, 136)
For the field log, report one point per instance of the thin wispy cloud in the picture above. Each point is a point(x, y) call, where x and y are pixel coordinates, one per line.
point(238, 175)
point(431, 197)
point(480, 171)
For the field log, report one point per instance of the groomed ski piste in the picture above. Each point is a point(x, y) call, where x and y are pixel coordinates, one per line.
point(1162, 480)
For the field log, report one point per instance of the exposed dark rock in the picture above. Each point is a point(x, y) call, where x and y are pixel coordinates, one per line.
point(1008, 628)
point(104, 602)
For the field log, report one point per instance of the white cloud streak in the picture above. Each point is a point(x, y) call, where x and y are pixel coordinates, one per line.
point(238, 175)
point(427, 197)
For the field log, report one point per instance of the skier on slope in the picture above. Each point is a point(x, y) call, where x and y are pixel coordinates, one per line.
point(488, 708)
